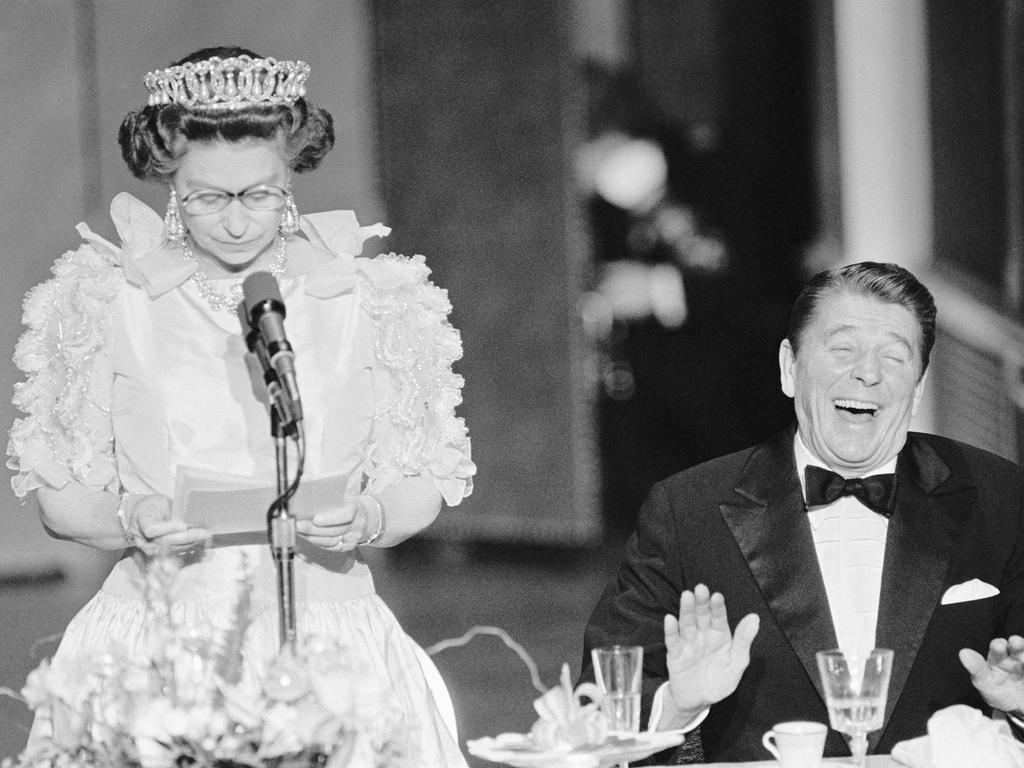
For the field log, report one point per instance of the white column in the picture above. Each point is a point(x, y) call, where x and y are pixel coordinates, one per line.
point(884, 137)
point(600, 31)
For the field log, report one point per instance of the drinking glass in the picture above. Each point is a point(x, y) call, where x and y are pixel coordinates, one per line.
point(618, 670)
point(856, 684)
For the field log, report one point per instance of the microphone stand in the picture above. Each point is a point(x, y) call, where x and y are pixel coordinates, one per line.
point(280, 522)
point(281, 532)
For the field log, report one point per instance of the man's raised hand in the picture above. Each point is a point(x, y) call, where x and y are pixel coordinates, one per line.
point(1000, 677)
point(705, 659)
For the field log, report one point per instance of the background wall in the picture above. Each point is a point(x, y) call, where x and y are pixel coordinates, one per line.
point(43, 169)
point(479, 116)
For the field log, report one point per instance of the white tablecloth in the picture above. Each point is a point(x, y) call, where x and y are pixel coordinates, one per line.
point(874, 761)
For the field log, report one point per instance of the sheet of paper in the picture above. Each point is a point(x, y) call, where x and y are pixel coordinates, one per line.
point(232, 504)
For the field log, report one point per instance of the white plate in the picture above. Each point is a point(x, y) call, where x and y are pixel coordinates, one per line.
point(518, 750)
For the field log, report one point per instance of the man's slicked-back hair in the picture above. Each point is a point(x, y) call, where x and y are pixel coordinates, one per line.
point(890, 283)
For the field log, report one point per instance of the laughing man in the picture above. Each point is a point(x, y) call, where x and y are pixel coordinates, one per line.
point(846, 531)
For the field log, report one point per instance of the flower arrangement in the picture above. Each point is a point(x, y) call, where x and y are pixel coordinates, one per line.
point(189, 700)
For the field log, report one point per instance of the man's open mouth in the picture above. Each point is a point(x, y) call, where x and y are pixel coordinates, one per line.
point(856, 407)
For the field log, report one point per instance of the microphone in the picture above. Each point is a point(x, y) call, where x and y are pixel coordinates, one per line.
point(265, 312)
point(279, 400)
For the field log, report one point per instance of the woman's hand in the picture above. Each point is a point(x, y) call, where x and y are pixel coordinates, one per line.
point(148, 519)
point(343, 528)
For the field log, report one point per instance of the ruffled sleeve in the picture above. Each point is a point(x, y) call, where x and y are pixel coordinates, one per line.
point(66, 434)
point(416, 431)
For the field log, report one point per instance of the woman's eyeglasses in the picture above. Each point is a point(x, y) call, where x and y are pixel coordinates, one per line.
point(261, 198)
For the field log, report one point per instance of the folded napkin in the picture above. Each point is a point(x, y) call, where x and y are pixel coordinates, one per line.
point(961, 737)
point(975, 589)
point(565, 719)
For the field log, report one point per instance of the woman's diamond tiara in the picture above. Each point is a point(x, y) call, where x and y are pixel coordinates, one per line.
point(232, 83)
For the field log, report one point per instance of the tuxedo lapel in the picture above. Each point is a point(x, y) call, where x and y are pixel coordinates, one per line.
point(930, 505)
point(771, 528)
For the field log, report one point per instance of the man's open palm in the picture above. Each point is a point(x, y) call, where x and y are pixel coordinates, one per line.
point(705, 660)
point(999, 678)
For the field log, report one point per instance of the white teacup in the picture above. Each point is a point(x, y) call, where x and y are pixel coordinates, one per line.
point(796, 744)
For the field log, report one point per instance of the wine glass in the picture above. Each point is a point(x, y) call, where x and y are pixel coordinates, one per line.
point(856, 684)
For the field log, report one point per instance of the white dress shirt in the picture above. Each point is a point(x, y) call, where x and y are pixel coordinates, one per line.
point(850, 541)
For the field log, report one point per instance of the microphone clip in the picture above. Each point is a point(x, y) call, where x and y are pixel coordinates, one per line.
point(284, 419)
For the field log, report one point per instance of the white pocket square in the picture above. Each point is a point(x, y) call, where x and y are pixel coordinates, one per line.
point(975, 589)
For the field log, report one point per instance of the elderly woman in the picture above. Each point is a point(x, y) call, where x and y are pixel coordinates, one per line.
point(138, 378)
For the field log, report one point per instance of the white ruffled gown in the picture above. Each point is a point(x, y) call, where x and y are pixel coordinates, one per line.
point(131, 376)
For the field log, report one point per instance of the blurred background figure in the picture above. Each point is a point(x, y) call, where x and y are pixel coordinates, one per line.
point(680, 304)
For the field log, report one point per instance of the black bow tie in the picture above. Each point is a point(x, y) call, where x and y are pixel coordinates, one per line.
point(876, 492)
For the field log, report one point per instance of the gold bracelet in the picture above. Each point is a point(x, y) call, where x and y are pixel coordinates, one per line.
point(380, 522)
point(122, 518)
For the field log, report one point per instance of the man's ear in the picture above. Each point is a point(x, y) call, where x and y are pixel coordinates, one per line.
point(918, 392)
point(787, 361)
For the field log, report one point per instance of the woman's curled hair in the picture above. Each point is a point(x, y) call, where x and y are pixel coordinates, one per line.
point(153, 138)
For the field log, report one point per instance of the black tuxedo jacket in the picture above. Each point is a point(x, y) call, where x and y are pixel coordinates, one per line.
point(738, 524)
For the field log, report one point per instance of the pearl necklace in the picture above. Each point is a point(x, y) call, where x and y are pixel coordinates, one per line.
point(229, 301)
